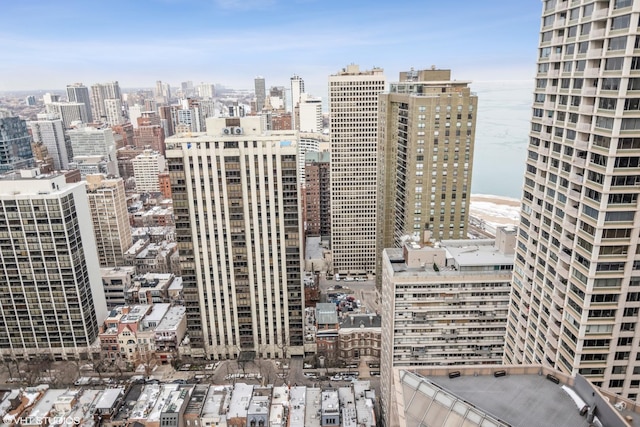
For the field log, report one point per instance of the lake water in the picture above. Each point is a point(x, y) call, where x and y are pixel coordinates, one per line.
point(504, 115)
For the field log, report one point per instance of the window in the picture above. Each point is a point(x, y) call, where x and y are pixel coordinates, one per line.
point(574, 13)
point(604, 122)
point(573, 31)
point(580, 65)
point(634, 84)
point(585, 29)
point(619, 4)
point(612, 64)
point(607, 103)
point(632, 104)
point(618, 43)
point(583, 47)
point(620, 22)
point(570, 49)
point(614, 83)
point(630, 124)
point(635, 63)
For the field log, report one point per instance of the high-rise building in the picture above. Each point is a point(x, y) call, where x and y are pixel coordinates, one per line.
point(78, 92)
point(51, 296)
point(114, 111)
point(30, 100)
point(48, 130)
point(309, 117)
point(445, 304)
point(48, 98)
point(15, 143)
point(146, 168)
point(297, 89)
point(68, 112)
point(238, 227)
point(261, 93)
point(575, 296)
point(100, 92)
point(317, 194)
point(108, 203)
point(426, 133)
point(206, 90)
point(354, 167)
point(151, 136)
point(97, 143)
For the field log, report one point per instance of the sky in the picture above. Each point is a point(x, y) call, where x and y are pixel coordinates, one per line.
point(48, 44)
point(493, 43)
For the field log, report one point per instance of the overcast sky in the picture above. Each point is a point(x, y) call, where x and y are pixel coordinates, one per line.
point(48, 44)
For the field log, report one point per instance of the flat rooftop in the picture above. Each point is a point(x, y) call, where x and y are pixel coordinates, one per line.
point(498, 396)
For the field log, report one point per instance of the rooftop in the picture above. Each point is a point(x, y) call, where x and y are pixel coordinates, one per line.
point(326, 314)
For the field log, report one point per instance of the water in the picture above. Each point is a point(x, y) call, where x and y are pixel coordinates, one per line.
point(504, 115)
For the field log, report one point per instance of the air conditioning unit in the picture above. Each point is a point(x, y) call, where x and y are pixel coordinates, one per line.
point(237, 131)
point(226, 131)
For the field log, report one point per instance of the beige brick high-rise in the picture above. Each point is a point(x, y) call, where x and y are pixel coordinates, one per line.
point(426, 132)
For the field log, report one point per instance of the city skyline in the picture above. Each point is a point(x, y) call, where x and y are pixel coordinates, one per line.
point(230, 42)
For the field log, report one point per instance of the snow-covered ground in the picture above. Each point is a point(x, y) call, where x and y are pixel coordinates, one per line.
point(494, 211)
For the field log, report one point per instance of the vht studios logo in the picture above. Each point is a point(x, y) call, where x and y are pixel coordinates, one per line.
point(69, 421)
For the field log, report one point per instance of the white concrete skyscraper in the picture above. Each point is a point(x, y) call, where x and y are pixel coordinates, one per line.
point(100, 92)
point(51, 297)
point(78, 92)
point(239, 233)
point(49, 130)
point(353, 105)
point(575, 299)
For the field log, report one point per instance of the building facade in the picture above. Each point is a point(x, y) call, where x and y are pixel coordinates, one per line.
point(261, 93)
point(238, 227)
point(354, 167)
point(427, 132)
point(100, 92)
point(108, 203)
point(146, 170)
point(575, 297)
point(15, 143)
point(445, 304)
point(78, 92)
point(52, 301)
point(317, 194)
point(89, 142)
point(49, 131)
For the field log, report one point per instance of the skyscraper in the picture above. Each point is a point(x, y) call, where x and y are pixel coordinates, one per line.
point(68, 112)
point(297, 89)
point(309, 117)
point(98, 143)
point(575, 296)
point(146, 169)
point(49, 130)
point(100, 92)
point(78, 92)
point(238, 227)
point(353, 104)
point(108, 203)
point(427, 131)
point(15, 143)
point(261, 93)
point(317, 194)
point(51, 296)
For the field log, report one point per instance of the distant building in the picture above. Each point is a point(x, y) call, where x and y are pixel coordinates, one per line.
point(89, 142)
point(153, 257)
point(261, 93)
point(164, 182)
point(110, 219)
point(99, 93)
point(146, 169)
point(78, 92)
point(359, 337)
point(150, 137)
point(30, 100)
point(317, 194)
point(15, 144)
point(54, 302)
point(126, 133)
point(114, 111)
point(48, 129)
point(68, 112)
point(309, 114)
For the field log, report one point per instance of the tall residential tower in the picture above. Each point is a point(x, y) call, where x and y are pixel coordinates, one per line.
point(426, 133)
point(239, 231)
point(353, 104)
point(575, 296)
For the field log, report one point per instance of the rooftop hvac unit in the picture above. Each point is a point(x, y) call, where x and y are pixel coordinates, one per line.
point(237, 131)
point(226, 131)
